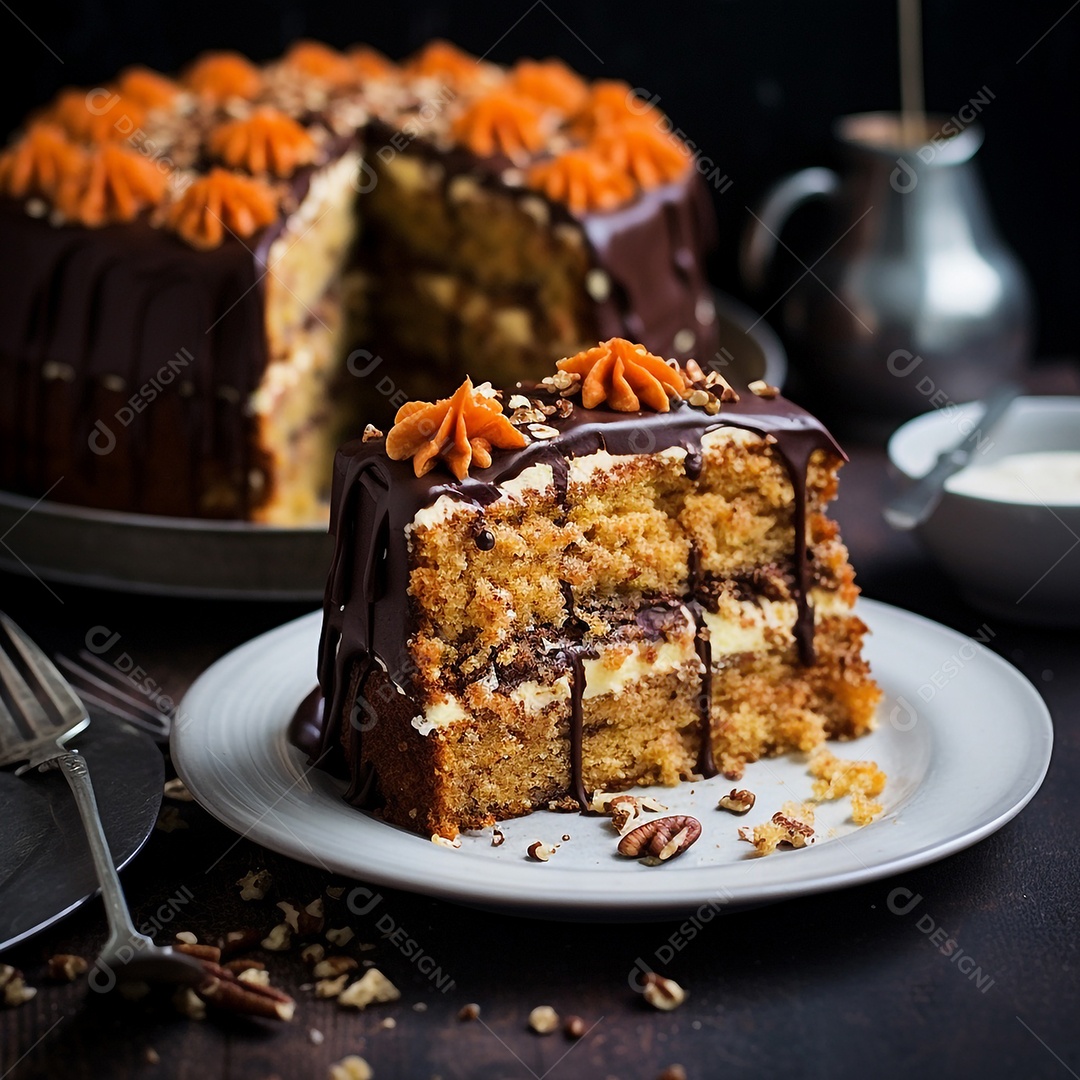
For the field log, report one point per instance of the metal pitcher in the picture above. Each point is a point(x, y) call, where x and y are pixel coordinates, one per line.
point(916, 301)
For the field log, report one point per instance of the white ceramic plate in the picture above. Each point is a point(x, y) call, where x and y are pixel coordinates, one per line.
point(964, 737)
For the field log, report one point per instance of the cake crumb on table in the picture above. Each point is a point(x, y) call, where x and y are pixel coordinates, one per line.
point(352, 1067)
point(543, 1019)
point(372, 988)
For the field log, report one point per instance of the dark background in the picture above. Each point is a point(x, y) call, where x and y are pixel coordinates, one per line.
point(755, 83)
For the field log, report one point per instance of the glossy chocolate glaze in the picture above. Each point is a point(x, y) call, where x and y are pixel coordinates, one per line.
point(87, 319)
point(367, 617)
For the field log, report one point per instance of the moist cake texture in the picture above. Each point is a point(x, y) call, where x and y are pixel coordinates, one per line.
point(606, 594)
point(205, 279)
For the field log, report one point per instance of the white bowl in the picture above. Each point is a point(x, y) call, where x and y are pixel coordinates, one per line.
point(1018, 560)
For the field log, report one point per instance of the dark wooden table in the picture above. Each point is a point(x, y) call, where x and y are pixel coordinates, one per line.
point(826, 986)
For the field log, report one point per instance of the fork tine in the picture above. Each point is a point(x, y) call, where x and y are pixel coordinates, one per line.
point(10, 735)
point(86, 684)
point(112, 685)
point(27, 705)
point(52, 682)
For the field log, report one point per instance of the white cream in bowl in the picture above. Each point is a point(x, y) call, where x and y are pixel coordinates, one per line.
point(1049, 476)
point(1007, 529)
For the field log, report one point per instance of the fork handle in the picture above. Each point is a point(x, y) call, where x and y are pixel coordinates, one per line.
point(121, 929)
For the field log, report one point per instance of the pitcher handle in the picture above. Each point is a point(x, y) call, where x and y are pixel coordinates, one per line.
point(763, 233)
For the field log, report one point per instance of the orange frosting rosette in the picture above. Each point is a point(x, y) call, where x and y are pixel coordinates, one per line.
point(613, 102)
point(95, 116)
point(643, 152)
point(38, 163)
point(220, 203)
point(459, 430)
point(501, 123)
point(441, 60)
point(319, 61)
point(582, 180)
point(149, 88)
point(625, 376)
point(551, 83)
point(265, 141)
point(113, 184)
point(369, 63)
point(219, 76)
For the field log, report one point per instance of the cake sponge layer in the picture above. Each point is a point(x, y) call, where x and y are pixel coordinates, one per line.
point(500, 753)
point(626, 528)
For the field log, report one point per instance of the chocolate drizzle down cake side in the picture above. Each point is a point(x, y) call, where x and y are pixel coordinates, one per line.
point(205, 280)
point(624, 574)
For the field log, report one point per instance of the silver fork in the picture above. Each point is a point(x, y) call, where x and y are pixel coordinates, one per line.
point(100, 684)
point(127, 955)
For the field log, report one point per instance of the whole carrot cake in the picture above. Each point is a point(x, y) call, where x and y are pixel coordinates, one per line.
point(206, 277)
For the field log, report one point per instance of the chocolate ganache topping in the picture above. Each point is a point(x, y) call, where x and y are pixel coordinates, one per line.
point(367, 620)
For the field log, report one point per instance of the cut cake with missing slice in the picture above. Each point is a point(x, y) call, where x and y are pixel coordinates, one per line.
point(629, 577)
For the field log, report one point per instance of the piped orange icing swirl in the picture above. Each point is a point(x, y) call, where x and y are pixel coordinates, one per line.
point(582, 180)
point(441, 60)
point(551, 83)
point(149, 88)
point(614, 102)
point(643, 152)
point(95, 116)
point(319, 61)
point(38, 163)
point(219, 203)
point(265, 141)
point(218, 76)
point(624, 375)
point(369, 63)
point(113, 184)
point(501, 123)
point(459, 430)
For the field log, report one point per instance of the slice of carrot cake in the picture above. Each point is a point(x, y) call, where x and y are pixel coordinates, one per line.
point(622, 575)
